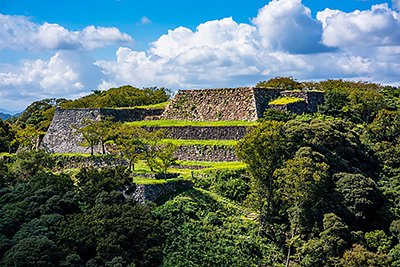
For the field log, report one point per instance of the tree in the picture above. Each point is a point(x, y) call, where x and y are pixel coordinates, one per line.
point(105, 127)
point(286, 83)
point(359, 256)
point(166, 158)
point(90, 135)
point(129, 143)
point(150, 142)
point(359, 194)
point(28, 138)
point(6, 136)
point(298, 181)
point(263, 149)
point(33, 251)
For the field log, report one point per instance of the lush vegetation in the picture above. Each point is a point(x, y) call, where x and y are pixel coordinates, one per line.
point(317, 189)
point(124, 96)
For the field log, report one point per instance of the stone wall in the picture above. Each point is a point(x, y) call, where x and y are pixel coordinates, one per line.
point(203, 132)
point(246, 103)
point(213, 105)
point(206, 153)
point(262, 97)
point(61, 136)
point(312, 99)
point(297, 107)
point(96, 161)
point(152, 192)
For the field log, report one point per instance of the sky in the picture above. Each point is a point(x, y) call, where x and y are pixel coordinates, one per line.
point(53, 49)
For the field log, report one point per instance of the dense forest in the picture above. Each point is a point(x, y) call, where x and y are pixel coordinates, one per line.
point(320, 189)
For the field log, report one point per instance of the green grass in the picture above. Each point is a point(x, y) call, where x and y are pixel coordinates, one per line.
point(155, 106)
point(184, 142)
point(141, 167)
point(146, 181)
point(179, 123)
point(286, 101)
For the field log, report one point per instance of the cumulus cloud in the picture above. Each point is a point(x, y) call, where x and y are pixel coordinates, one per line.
point(287, 25)
point(18, 32)
point(65, 74)
point(282, 40)
point(376, 27)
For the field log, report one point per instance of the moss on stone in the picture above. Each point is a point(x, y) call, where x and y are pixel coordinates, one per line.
point(285, 101)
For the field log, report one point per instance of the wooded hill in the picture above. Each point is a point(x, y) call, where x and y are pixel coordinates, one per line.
point(319, 189)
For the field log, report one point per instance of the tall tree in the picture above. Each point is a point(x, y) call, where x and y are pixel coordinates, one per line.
point(263, 149)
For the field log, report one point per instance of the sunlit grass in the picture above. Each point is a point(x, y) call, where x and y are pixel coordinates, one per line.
point(286, 100)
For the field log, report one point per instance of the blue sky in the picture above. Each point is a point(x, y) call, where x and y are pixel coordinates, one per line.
point(68, 48)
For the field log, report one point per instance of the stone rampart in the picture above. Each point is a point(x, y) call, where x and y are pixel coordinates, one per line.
point(202, 132)
point(61, 136)
point(213, 105)
point(153, 192)
point(312, 99)
point(206, 153)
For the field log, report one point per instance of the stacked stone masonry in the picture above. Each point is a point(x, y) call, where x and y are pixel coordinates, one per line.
point(202, 132)
point(241, 104)
point(61, 137)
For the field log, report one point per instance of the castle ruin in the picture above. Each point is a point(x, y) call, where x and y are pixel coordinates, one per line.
point(229, 104)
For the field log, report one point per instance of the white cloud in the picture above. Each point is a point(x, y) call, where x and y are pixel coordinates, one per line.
point(65, 74)
point(287, 25)
point(282, 40)
point(376, 27)
point(18, 32)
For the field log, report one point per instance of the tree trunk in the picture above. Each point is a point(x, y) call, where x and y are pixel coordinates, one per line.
point(103, 149)
point(290, 247)
point(91, 150)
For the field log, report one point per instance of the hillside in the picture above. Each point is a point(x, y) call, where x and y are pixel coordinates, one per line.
point(312, 189)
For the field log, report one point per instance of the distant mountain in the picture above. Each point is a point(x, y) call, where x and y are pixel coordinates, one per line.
point(4, 116)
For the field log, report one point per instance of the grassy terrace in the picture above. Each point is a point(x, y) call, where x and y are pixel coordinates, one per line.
point(286, 101)
point(153, 106)
point(179, 123)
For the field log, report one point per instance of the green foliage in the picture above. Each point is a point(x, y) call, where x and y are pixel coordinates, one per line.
point(277, 115)
point(286, 83)
point(359, 256)
point(232, 184)
point(39, 114)
point(124, 96)
point(356, 101)
point(359, 195)
point(28, 163)
point(6, 136)
point(201, 231)
point(33, 251)
point(378, 241)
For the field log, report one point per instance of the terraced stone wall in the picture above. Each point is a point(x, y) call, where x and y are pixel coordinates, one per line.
point(203, 132)
point(61, 136)
point(213, 105)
